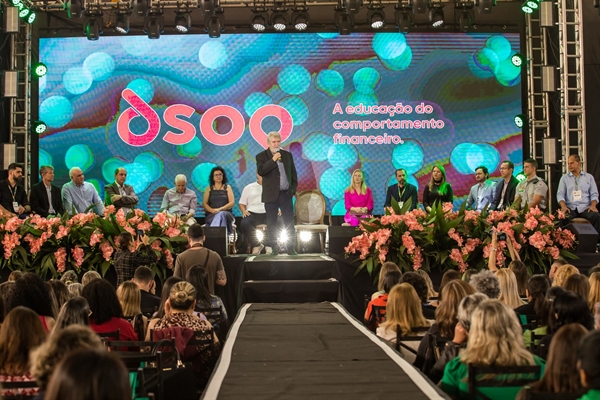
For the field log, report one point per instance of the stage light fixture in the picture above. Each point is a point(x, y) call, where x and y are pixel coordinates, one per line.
point(39, 127)
point(283, 237)
point(376, 17)
point(305, 236)
point(214, 24)
point(141, 7)
point(209, 7)
point(39, 70)
point(93, 24)
point(31, 17)
point(436, 14)
point(279, 19)
point(352, 6)
point(16, 2)
point(465, 21)
point(154, 25)
point(260, 19)
point(300, 18)
point(520, 120)
point(485, 6)
point(516, 60)
point(74, 8)
point(260, 236)
point(344, 22)
point(419, 6)
point(529, 6)
point(183, 21)
point(122, 25)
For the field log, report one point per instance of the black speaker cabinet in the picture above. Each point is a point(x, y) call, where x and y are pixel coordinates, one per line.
point(216, 239)
point(340, 236)
point(586, 236)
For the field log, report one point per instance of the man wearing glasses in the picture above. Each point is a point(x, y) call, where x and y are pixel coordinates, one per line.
point(506, 188)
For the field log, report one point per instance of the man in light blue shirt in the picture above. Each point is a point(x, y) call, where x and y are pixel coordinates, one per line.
point(80, 195)
point(180, 201)
point(482, 193)
point(578, 194)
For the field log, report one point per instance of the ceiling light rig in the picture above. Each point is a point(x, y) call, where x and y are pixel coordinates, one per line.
point(122, 25)
point(436, 14)
point(300, 18)
point(183, 20)
point(279, 19)
point(154, 24)
point(214, 18)
point(463, 10)
point(93, 24)
point(376, 17)
point(403, 17)
point(343, 21)
point(260, 19)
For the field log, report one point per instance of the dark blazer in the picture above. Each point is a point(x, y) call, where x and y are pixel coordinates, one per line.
point(267, 168)
point(130, 200)
point(410, 192)
point(38, 200)
point(509, 196)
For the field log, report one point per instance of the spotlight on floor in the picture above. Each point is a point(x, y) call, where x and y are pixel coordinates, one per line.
point(305, 236)
point(260, 235)
point(283, 237)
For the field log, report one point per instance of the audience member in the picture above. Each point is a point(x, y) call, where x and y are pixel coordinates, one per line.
point(2, 311)
point(486, 282)
point(53, 301)
point(537, 309)
point(509, 290)
point(198, 277)
point(519, 268)
point(466, 276)
point(554, 267)
point(130, 297)
point(461, 334)
point(15, 276)
point(561, 375)
point(61, 292)
point(562, 273)
point(90, 276)
point(578, 284)
point(588, 362)
point(32, 292)
point(46, 357)
point(75, 311)
point(448, 276)
point(127, 258)
point(391, 279)
point(144, 278)
point(431, 293)
point(69, 277)
point(107, 315)
point(595, 268)
point(89, 374)
point(420, 285)
point(495, 338)
point(164, 296)
point(75, 289)
point(387, 266)
point(403, 311)
point(594, 296)
point(554, 291)
point(21, 332)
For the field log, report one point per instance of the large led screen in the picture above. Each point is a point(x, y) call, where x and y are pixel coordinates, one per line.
point(185, 103)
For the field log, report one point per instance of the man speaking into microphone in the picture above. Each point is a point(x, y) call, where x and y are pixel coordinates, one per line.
point(280, 181)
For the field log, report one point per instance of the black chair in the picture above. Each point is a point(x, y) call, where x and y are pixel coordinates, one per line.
point(413, 336)
point(214, 316)
point(16, 385)
point(516, 376)
point(436, 345)
point(531, 394)
point(116, 335)
point(529, 322)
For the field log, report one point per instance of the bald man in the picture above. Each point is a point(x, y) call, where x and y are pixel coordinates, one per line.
point(80, 196)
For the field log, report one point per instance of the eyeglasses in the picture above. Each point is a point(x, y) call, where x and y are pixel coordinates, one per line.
point(218, 175)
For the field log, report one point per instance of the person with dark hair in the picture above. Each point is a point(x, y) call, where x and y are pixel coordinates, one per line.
point(218, 200)
point(387, 266)
point(198, 277)
point(577, 194)
point(560, 374)
point(107, 315)
point(164, 296)
point(32, 292)
point(21, 332)
point(391, 279)
point(180, 201)
point(61, 292)
point(519, 268)
point(402, 191)
point(15, 276)
point(533, 190)
point(198, 254)
point(119, 194)
point(144, 278)
point(127, 258)
point(447, 277)
point(578, 284)
point(438, 190)
point(506, 187)
point(482, 193)
point(567, 308)
point(13, 196)
point(45, 198)
point(538, 307)
point(89, 374)
point(75, 311)
point(588, 362)
point(46, 357)
point(420, 286)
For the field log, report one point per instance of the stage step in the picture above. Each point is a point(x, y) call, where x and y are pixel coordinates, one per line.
point(300, 267)
point(290, 291)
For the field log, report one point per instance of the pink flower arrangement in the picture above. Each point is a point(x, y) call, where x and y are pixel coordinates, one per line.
point(107, 250)
point(168, 258)
point(9, 242)
point(172, 232)
point(13, 224)
point(78, 255)
point(457, 257)
point(160, 218)
point(96, 238)
point(109, 210)
point(63, 231)
point(61, 259)
point(144, 226)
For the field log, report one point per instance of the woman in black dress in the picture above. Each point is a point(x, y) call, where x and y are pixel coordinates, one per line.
point(218, 201)
point(437, 189)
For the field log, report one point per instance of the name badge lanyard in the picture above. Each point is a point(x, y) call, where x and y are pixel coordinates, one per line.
point(401, 193)
point(13, 194)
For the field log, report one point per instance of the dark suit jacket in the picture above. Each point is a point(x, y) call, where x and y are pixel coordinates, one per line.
point(38, 200)
point(267, 168)
point(509, 196)
point(410, 192)
point(130, 200)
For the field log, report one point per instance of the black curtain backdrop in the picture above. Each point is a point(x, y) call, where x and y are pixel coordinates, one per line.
point(591, 37)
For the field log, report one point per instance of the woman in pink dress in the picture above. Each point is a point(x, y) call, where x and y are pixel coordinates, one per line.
point(358, 199)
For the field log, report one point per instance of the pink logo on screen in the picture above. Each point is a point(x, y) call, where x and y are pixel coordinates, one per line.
point(139, 108)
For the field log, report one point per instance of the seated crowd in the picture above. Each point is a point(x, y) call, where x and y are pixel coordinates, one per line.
point(56, 337)
point(501, 319)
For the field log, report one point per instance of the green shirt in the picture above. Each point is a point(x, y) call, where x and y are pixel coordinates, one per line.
point(541, 331)
point(593, 394)
point(454, 382)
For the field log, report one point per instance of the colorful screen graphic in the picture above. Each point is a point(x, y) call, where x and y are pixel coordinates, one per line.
point(183, 104)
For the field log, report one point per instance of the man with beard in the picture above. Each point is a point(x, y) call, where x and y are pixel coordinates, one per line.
point(482, 193)
point(402, 191)
point(13, 197)
point(45, 198)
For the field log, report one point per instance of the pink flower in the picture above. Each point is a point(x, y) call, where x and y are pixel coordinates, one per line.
point(156, 244)
point(139, 213)
point(561, 214)
point(9, 243)
point(78, 255)
point(168, 258)
point(35, 245)
point(62, 232)
point(109, 210)
point(13, 224)
point(172, 232)
point(471, 215)
point(538, 241)
point(534, 212)
point(107, 250)
point(382, 253)
point(409, 243)
point(470, 246)
point(120, 216)
point(144, 226)
point(457, 257)
point(417, 259)
point(381, 237)
point(554, 252)
point(160, 218)
point(455, 236)
point(96, 238)
point(447, 207)
point(134, 220)
point(61, 259)
point(531, 223)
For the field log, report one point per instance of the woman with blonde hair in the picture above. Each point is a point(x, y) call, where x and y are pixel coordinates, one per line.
point(403, 311)
point(594, 296)
point(130, 297)
point(509, 289)
point(562, 273)
point(438, 190)
point(495, 338)
point(385, 268)
point(579, 284)
point(358, 199)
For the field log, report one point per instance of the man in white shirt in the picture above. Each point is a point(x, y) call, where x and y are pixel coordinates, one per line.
point(482, 193)
point(181, 201)
point(253, 213)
